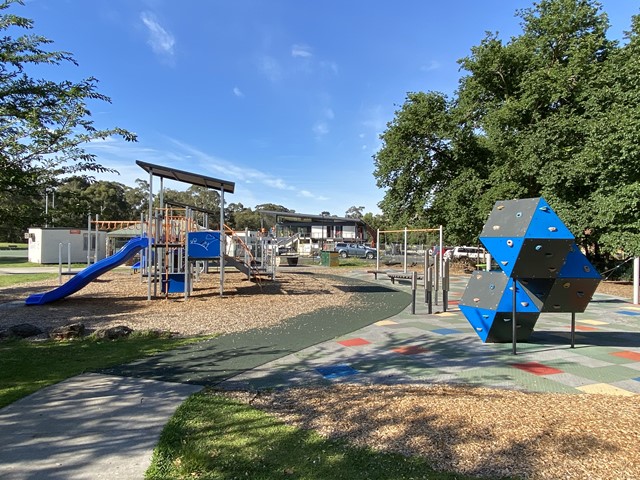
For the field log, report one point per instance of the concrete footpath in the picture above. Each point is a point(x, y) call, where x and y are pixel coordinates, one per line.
point(87, 427)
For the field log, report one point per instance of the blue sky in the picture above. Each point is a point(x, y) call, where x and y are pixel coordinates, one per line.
point(285, 98)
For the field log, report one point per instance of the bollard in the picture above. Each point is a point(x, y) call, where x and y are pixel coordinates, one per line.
point(414, 284)
point(429, 290)
point(445, 285)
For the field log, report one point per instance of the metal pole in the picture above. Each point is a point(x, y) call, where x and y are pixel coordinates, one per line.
point(149, 234)
point(377, 250)
point(405, 251)
point(513, 318)
point(445, 286)
point(414, 284)
point(573, 329)
point(430, 289)
point(636, 280)
point(89, 239)
point(223, 249)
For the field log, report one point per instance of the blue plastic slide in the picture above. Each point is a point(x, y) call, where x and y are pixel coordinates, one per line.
point(86, 276)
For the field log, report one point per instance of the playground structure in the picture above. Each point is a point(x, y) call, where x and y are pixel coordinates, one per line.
point(404, 246)
point(176, 244)
point(542, 270)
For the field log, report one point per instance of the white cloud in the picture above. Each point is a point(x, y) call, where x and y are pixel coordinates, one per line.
point(320, 129)
point(237, 92)
point(301, 51)
point(331, 66)
point(161, 41)
point(328, 113)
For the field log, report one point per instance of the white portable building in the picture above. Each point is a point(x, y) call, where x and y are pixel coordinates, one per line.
point(46, 245)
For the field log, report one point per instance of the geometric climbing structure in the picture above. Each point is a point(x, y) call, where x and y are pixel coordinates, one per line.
point(536, 252)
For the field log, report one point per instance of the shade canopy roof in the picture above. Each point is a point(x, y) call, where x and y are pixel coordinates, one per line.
point(187, 177)
point(293, 217)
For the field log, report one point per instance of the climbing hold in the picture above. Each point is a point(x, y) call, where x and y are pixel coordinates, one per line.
point(496, 227)
point(557, 306)
point(544, 208)
point(476, 299)
point(552, 269)
point(500, 207)
point(566, 284)
point(586, 268)
point(524, 304)
point(553, 229)
point(518, 215)
point(492, 287)
point(504, 262)
point(509, 243)
point(580, 294)
point(538, 248)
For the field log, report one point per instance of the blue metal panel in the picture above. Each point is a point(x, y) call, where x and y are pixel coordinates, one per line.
point(203, 244)
point(577, 266)
point(480, 319)
point(546, 224)
point(524, 303)
point(504, 250)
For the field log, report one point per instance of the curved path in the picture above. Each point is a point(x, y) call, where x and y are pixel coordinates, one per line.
point(104, 425)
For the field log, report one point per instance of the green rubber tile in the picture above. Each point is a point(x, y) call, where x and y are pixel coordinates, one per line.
point(213, 361)
point(610, 374)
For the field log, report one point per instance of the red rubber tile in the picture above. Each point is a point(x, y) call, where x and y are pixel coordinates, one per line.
point(628, 355)
point(536, 368)
point(581, 328)
point(354, 342)
point(410, 350)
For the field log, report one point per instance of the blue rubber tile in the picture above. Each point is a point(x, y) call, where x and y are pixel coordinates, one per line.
point(336, 371)
point(446, 331)
point(628, 312)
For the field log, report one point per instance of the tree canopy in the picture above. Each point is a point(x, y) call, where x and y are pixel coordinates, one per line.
point(44, 124)
point(553, 112)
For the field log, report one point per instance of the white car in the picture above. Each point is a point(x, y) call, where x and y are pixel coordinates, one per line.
point(475, 253)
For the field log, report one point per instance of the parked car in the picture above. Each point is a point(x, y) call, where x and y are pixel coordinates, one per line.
point(474, 253)
point(354, 250)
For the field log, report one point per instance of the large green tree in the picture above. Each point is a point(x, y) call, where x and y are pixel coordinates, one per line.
point(44, 124)
point(552, 112)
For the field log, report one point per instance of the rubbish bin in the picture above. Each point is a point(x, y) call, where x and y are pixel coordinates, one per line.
point(329, 259)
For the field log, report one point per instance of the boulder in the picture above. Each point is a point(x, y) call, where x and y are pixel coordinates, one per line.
point(22, 330)
point(66, 332)
point(113, 333)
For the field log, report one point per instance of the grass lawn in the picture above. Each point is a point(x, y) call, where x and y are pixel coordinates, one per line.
point(16, 278)
point(213, 437)
point(28, 366)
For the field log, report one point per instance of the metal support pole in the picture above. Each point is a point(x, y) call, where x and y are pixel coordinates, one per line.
point(404, 269)
point(89, 239)
point(149, 234)
point(429, 281)
point(513, 318)
point(414, 284)
point(573, 329)
point(636, 280)
point(445, 286)
point(223, 242)
point(377, 250)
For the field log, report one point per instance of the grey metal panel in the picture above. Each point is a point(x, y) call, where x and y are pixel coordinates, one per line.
point(537, 289)
point(541, 258)
point(570, 294)
point(510, 218)
point(501, 329)
point(484, 290)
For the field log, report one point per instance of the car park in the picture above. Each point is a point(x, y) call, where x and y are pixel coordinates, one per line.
point(354, 250)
